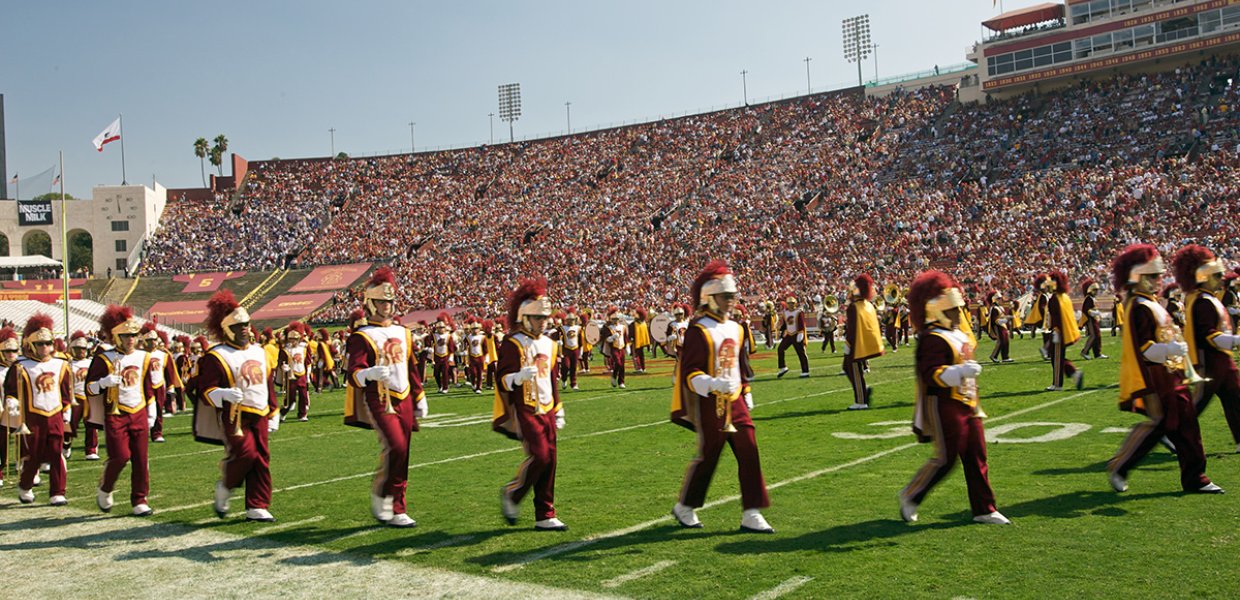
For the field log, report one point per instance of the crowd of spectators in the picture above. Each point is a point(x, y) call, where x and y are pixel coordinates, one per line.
point(799, 196)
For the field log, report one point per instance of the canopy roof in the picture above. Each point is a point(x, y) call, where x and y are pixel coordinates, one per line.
point(1021, 17)
point(19, 262)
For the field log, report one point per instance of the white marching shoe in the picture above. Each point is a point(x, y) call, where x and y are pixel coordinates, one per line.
point(752, 520)
point(67, 452)
point(103, 500)
point(507, 507)
point(782, 371)
point(38, 479)
point(26, 496)
point(402, 521)
point(45, 467)
point(259, 514)
point(142, 510)
point(859, 406)
point(1119, 483)
point(686, 516)
point(58, 501)
point(994, 518)
point(908, 509)
point(92, 456)
point(1210, 488)
point(222, 496)
point(381, 508)
point(552, 524)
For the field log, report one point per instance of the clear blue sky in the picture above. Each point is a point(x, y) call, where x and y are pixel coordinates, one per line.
point(275, 76)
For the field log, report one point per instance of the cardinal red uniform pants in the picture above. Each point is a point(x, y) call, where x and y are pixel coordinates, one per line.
point(1003, 345)
point(1093, 339)
point(91, 438)
point(475, 371)
point(639, 359)
point(248, 459)
point(710, 442)
point(394, 432)
point(161, 404)
point(1060, 365)
point(442, 373)
point(1224, 383)
point(791, 340)
point(537, 471)
point(617, 364)
point(855, 371)
point(298, 392)
point(125, 436)
point(1176, 418)
point(957, 433)
point(43, 445)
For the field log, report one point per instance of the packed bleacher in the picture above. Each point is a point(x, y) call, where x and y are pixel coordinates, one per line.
point(798, 195)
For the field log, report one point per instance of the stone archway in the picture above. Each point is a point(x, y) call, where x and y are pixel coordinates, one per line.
point(37, 242)
point(4, 245)
point(81, 250)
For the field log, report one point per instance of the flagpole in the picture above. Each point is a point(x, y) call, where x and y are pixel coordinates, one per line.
point(64, 243)
point(121, 121)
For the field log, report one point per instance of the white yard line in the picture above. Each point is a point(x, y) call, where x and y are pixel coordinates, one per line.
point(638, 574)
point(787, 586)
point(591, 539)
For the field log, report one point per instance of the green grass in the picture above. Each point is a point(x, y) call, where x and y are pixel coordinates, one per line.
point(621, 465)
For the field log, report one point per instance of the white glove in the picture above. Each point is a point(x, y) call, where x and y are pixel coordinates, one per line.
point(724, 386)
point(109, 381)
point(273, 421)
point(374, 373)
point(284, 367)
point(559, 419)
point(1233, 311)
point(749, 400)
point(1227, 341)
point(954, 375)
point(610, 338)
point(524, 375)
point(800, 337)
point(844, 347)
point(421, 409)
point(1158, 353)
point(1055, 337)
point(152, 413)
point(219, 396)
point(14, 408)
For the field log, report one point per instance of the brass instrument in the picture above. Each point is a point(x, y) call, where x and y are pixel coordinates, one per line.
point(968, 385)
point(831, 304)
point(1170, 332)
point(891, 293)
point(382, 387)
point(114, 392)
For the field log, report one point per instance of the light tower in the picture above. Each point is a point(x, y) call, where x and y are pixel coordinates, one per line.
point(857, 41)
point(510, 105)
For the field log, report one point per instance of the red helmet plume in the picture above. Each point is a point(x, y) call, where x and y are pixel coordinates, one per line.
point(221, 304)
point(926, 287)
point(201, 341)
point(163, 336)
point(487, 326)
point(147, 327)
point(713, 269)
point(1121, 267)
point(112, 316)
point(527, 289)
point(6, 334)
point(1185, 263)
point(1085, 283)
point(1061, 281)
point(77, 334)
point(446, 319)
point(382, 275)
point(357, 318)
point(640, 312)
point(865, 286)
point(1170, 287)
point(35, 323)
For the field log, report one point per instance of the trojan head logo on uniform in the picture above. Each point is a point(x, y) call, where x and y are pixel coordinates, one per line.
point(251, 373)
point(727, 355)
point(130, 376)
point(156, 364)
point(80, 374)
point(394, 351)
point(45, 382)
point(543, 362)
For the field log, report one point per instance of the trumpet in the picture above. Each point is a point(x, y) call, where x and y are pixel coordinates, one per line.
point(1170, 332)
point(234, 415)
point(114, 393)
point(382, 387)
point(968, 385)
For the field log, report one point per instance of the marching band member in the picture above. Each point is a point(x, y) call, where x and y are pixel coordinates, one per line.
point(1090, 322)
point(422, 342)
point(163, 376)
point(572, 339)
point(492, 351)
point(770, 323)
point(903, 314)
point(828, 321)
point(40, 387)
point(748, 347)
point(712, 397)
point(1231, 300)
point(676, 329)
point(997, 323)
point(477, 353)
point(294, 361)
point(381, 369)
point(1037, 319)
point(616, 345)
point(235, 378)
point(587, 349)
point(1172, 296)
point(444, 347)
point(527, 404)
point(1117, 312)
point(862, 338)
point(329, 349)
point(1152, 376)
point(9, 348)
point(947, 412)
point(79, 365)
point(794, 335)
point(1060, 320)
point(458, 363)
point(122, 374)
point(1209, 332)
point(639, 339)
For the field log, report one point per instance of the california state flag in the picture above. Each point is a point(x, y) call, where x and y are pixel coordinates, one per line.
point(109, 134)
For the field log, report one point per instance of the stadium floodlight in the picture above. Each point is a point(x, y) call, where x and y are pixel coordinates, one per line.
point(510, 105)
point(857, 45)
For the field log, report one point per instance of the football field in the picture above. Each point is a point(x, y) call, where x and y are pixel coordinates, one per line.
point(833, 476)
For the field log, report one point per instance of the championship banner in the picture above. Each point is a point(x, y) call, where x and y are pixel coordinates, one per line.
point(48, 297)
point(332, 277)
point(190, 312)
point(291, 306)
point(205, 282)
point(34, 212)
point(41, 285)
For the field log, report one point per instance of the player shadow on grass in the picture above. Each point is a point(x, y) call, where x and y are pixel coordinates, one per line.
point(828, 411)
point(1156, 457)
point(875, 533)
point(33, 523)
point(1077, 504)
point(628, 544)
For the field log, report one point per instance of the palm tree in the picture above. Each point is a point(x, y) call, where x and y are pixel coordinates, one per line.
point(200, 150)
point(217, 153)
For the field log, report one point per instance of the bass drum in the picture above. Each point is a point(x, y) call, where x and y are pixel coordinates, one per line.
point(594, 332)
point(658, 327)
